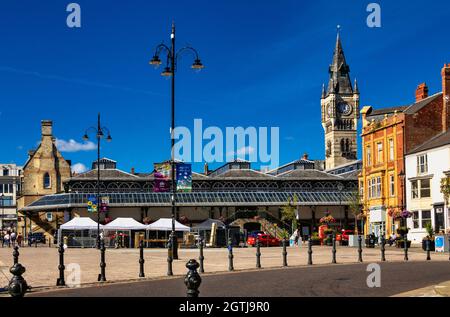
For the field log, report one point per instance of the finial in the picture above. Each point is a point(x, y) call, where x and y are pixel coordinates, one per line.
point(356, 89)
point(323, 91)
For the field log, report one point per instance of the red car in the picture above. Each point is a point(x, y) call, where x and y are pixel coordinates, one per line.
point(265, 240)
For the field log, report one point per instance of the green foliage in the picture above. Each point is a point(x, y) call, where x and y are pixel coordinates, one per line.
point(429, 229)
point(288, 212)
point(355, 205)
point(445, 188)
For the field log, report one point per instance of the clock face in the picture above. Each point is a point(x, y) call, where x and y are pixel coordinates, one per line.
point(345, 108)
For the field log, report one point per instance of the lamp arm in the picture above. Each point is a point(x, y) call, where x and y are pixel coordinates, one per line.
point(184, 49)
point(162, 47)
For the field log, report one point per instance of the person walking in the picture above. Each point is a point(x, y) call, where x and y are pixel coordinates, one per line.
point(13, 237)
point(19, 240)
point(6, 238)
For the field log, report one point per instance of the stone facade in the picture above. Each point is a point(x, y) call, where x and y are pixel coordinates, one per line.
point(340, 113)
point(43, 174)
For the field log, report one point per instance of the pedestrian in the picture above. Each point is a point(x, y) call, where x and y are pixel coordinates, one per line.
point(13, 237)
point(296, 236)
point(19, 240)
point(6, 238)
point(392, 239)
point(30, 239)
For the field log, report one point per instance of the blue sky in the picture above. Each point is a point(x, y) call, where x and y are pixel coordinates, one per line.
point(265, 64)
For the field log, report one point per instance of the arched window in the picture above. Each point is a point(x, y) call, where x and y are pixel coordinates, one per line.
point(347, 145)
point(342, 145)
point(47, 182)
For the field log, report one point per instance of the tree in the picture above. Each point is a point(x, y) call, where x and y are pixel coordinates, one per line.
point(288, 212)
point(356, 207)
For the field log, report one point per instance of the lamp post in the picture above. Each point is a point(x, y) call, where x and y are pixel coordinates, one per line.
point(3, 209)
point(99, 134)
point(169, 71)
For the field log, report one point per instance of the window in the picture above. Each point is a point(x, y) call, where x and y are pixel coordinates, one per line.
point(47, 183)
point(379, 152)
point(369, 156)
point(361, 189)
point(414, 189)
point(422, 164)
point(415, 219)
point(378, 187)
point(420, 189)
point(426, 218)
point(425, 188)
point(392, 185)
point(391, 149)
point(5, 172)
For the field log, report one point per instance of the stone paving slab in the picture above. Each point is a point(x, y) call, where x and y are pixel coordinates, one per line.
point(122, 264)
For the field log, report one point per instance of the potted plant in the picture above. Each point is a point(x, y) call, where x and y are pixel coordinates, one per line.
point(400, 243)
point(315, 239)
point(329, 233)
point(429, 237)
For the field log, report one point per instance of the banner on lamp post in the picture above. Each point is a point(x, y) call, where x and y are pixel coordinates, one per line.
point(162, 177)
point(184, 177)
point(92, 204)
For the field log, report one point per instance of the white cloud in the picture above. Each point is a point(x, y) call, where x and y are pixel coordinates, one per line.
point(79, 168)
point(74, 146)
point(246, 150)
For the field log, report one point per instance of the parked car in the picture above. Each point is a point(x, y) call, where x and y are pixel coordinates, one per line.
point(254, 234)
point(38, 237)
point(346, 233)
point(265, 240)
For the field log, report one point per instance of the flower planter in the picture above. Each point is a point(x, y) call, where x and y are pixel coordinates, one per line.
point(401, 244)
point(424, 245)
point(315, 242)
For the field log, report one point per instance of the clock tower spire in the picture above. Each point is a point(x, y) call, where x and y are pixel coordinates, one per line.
point(340, 111)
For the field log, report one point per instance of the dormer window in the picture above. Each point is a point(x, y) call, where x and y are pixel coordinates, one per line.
point(47, 181)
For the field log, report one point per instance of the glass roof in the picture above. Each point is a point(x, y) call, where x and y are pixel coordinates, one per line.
point(195, 199)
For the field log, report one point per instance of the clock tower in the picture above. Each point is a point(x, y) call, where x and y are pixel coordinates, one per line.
point(340, 112)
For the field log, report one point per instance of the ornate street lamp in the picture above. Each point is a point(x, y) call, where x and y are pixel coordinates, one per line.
point(3, 209)
point(169, 71)
point(99, 134)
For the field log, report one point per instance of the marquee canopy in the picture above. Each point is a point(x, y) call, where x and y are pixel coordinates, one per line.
point(124, 224)
point(165, 224)
point(80, 223)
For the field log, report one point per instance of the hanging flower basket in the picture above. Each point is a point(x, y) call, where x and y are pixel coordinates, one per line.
point(184, 220)
point(327, 219)
point(405, 214)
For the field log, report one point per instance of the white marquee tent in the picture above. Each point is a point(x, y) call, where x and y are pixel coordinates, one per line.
point(80, 223)
point(124, 224)
point(165, 224)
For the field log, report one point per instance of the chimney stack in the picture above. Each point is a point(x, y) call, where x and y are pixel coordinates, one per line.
point(421, 92)
point(132, 170)
point(305, 157)
point(206, 169)
point(46, 127)
point(446, 97)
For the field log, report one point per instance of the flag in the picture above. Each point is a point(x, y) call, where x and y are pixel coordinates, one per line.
point(92, 203)
point(162, 177)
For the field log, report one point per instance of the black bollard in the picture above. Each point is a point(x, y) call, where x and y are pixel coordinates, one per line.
point(405, 245)
point(383, 248)
point(101, 276)
point(449, 247)
point(360, 259)
point(310, 262)
point(192, 279)
point(16, 255)
point(284, 253)
point(35, 243)
point(141, 259)
point(169, 257)
point(60, 281)
point(17, 286)
point(201, 258)
point(258, 254)
point(230, 255)
point(427, 244)
point(333, 251)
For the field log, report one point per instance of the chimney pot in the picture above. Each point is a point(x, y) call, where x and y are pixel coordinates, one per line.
point(132, 170)
point(305, 156)
point(421, 92)
point(206, 169)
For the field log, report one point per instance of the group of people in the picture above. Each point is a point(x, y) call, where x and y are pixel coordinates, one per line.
point(10, 238)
